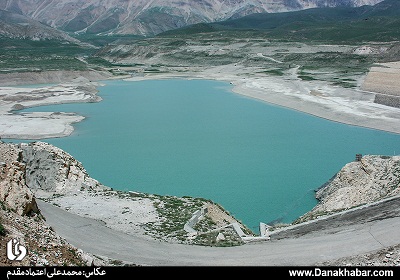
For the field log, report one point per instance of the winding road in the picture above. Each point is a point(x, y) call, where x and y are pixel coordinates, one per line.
point(342, 235)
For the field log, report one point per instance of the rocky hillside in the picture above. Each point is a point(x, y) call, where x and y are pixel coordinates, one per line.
point(51, 170)
point(21, 219)
point(370, 179)
point(16, 26)
point(145, 17)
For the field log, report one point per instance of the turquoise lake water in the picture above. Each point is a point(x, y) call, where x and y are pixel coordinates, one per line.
point(196, 138)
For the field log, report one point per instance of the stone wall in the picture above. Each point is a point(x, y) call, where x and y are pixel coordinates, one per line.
point(388, 100)
point(384, 80)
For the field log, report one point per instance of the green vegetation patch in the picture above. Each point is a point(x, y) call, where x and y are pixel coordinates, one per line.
point(174, 212)
point(275, 72)
point(35, 56)
point(337, 68)
point(228, 238)
point(2, 230)
point(306, 77)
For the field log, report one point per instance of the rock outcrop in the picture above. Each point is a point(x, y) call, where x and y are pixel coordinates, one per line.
point(20, 217)
point(17, 26)
point(52, 170)
point(14, 193)
point(13, 190)
point(372, 178)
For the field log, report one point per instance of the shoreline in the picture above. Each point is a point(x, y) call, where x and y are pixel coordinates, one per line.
point(41, 125)
point(324, 116)
point(349, 106)
point(330, 103)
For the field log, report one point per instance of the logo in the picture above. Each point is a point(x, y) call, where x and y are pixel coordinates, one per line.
point(15, 251)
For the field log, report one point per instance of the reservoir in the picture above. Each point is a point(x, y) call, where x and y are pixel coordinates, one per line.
point(196, 138)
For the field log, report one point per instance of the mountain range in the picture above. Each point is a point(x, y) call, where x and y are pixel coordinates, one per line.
point(151, 17)
point(17, 26)
point(365, 23)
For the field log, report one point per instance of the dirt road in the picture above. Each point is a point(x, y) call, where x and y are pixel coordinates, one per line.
point(345, 239)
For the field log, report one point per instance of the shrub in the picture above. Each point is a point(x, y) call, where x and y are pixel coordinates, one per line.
point(2, 230)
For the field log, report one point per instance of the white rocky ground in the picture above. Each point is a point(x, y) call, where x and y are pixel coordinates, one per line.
point(42, 124)
point(370, 179)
